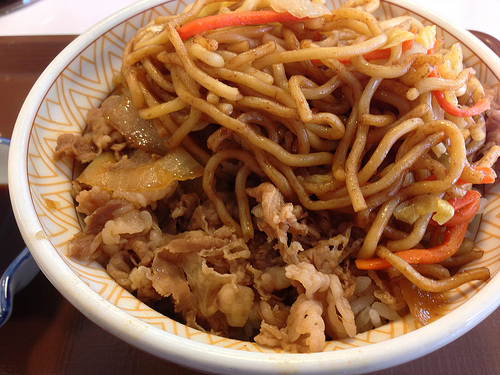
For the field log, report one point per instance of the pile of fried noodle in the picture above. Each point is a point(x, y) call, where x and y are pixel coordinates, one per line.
point(279, 172)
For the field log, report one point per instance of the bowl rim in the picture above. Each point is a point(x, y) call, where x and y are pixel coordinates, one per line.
point(199, 355)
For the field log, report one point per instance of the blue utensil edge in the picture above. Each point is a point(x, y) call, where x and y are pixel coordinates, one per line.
point(24, 262)
point(8, 285)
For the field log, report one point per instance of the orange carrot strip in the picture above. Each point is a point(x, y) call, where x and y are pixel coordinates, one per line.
point(433, 73)
point(465, 207)
point(452, 109)
point(218, 21)
point(464, 215)
point(453, 237)
point(468, 198)
point(381, 54)
point(489, 175)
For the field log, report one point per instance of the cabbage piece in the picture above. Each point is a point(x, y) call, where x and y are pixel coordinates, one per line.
point(453, 62)
point(422, 205)
point(396, 36)
point(451, 67)
point(300, 8)
point(426, 37)
point(106, 173)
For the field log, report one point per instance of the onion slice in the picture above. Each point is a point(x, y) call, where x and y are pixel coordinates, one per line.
point(424, 306)
point(106, 173)
point(124, 117)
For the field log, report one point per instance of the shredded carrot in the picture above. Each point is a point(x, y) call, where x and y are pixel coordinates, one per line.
point(468, 198)
point(489, 174)
point(218, 21)
point(433, 73)
point(452, 109)
point(464, 215)
point(465, 207)
point(452, 239)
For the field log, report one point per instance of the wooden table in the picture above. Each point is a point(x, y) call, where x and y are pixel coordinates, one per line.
point(47, 335)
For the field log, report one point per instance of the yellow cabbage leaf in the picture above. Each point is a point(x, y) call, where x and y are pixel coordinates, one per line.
point(423, 205)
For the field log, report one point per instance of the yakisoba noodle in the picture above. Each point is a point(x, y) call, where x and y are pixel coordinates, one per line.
point(284, 173)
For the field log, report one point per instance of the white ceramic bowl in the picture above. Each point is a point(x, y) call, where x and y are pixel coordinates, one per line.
point(80, 78)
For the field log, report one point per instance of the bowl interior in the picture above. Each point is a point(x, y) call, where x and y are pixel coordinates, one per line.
point(85, 79)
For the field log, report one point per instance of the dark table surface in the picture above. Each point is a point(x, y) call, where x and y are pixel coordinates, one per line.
point(47, 335)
